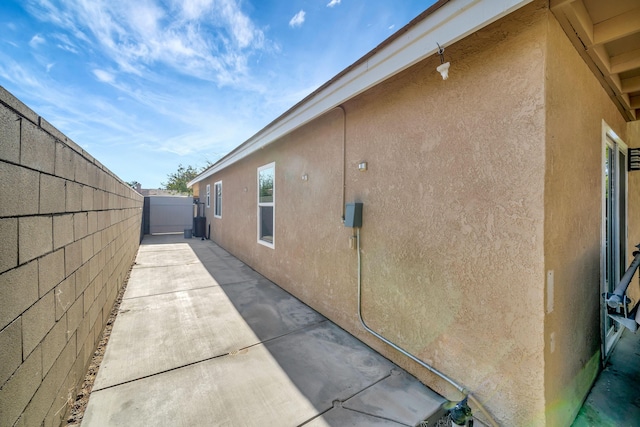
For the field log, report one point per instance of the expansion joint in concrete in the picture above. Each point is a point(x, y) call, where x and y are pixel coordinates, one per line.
point(309, 326)
point(160, 372)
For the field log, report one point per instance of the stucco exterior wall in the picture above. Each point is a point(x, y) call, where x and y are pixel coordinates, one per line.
point(69, 231)
point(311, 256)
point(576, 106)
point(452, 238)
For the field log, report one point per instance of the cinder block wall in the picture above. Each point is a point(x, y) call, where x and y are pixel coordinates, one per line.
point(69, 232)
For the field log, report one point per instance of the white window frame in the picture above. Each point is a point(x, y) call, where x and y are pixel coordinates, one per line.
point(208, 195)
point(217, 199)
point(266, 243)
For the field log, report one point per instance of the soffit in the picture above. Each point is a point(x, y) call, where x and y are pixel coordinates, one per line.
point(607, 36)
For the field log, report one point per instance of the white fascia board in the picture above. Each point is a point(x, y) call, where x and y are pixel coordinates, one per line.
point(447, 25)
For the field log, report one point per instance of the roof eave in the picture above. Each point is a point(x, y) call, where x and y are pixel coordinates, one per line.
point(446, 22)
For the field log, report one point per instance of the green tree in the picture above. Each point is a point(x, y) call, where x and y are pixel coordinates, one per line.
point(177, 181)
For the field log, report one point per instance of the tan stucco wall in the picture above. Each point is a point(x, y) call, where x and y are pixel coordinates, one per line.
point(311, 258)
point(458, 181)
point(576, 106)
point(452, 240)
point(69, 231)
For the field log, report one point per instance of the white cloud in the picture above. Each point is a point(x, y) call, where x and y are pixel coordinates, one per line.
point(36, 41)
point(201, 140)
point(104, 76)
point(194, 9)
point(391, 27)
point(297, 20)
point(65, 43)
point(14, 73)
point(73, 109)
point(333, 3)
point(207, 39)
point(144, 17)
point(50, 66)
point(241, 27)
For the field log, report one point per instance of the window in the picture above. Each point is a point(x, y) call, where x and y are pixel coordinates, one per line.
point(266, 204)
point(208, 195)
point(217, 202)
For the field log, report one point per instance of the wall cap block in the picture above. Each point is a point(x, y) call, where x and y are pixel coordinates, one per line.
point(7, 98)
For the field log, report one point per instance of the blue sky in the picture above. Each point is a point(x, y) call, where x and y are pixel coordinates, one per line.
point(145, 85)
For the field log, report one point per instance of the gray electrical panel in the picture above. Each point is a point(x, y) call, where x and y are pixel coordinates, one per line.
point(353, 215)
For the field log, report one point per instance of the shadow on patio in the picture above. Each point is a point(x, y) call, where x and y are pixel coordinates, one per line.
point(202, 339)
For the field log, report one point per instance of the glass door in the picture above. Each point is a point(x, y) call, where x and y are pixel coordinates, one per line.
point(614, 242)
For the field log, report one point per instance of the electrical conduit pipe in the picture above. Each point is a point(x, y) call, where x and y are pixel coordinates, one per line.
point(430, 368)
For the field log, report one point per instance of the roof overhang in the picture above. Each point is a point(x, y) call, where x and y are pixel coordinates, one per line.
point(607, 36)
point(445, 23)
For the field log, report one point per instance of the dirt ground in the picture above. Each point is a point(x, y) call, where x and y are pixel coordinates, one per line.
point(79, 405)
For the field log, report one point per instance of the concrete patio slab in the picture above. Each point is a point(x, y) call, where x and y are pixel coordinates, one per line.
point(181, 254)
point(268, 310)
point(291, 378)
point(226, 276)
point(339, 416)
point(186, 350)
point(244, 390)
point(214, 257)
point(398, 397)
point(165, 279)
point(325, 363)
point(170, 330)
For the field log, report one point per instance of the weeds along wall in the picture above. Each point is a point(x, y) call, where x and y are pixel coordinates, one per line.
point(69, 232)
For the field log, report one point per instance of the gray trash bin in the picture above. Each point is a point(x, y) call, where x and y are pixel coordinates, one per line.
point(187, 233)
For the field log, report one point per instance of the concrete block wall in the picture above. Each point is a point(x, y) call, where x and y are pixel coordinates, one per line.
point(69, 232)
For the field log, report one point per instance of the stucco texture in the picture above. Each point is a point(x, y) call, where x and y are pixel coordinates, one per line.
point(479, 191)
point(576, 105)
point(452, 236)
point(452, 239)
point(311, 252)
